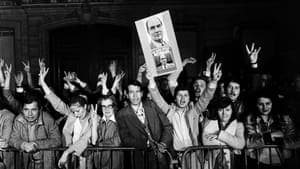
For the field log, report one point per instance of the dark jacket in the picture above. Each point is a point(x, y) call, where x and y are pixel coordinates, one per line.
point(133, 134)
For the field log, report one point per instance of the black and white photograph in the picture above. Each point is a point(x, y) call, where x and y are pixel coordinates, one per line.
point(149, 84)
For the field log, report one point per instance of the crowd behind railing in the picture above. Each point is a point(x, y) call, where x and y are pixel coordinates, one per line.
point(170, 123)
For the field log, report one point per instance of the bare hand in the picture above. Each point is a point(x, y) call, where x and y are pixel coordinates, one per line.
point(188, 60)
point(142, 68)
point(19, 78)
point(162, 147)
point(7, 71)
point(210, 61)
point(1, 63)
point(42, 63)
point(63, 160)
point(253, 53)
point(29, 147)
point(212, 137)
point(93, 111)
point(26, 66)
point(217, 72)
point(43, 73)
point(119, 77)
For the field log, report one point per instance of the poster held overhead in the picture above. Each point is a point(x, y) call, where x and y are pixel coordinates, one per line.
point(159, 44)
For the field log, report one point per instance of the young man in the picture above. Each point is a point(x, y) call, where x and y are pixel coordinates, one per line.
point(34, 129)
point(142, 125)
point(184, 114)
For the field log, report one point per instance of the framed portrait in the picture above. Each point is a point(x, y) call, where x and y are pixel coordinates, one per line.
point(159, 44)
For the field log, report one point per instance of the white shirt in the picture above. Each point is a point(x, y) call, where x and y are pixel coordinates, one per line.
point(77, 130)
point(111, 118)
point(140, 112)
point(181, 138)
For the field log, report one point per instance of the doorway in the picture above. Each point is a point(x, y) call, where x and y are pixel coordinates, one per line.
point(87, 50)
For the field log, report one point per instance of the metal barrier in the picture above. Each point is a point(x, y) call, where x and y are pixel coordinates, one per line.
point(198, 157)
point(224, 157)
point(131, 158)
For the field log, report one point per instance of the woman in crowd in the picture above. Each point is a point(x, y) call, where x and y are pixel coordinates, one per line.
point(268, 126)
point(224, 130)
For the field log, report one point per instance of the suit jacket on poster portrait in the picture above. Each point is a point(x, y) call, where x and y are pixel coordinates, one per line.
point(133, 134)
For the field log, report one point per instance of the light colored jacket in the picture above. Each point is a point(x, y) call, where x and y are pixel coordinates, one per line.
point(46, 133)
point(64, 109)
point(194, 113)
point(233, 136)
point(6, 123)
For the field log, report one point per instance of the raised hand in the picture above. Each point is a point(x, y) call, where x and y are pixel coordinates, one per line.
point(1, 63)
point(7, 71)
point(188, 60)
point(43, 73)
point(42, 63)
point(67, 76)
point(253, 53)
point(142, 68)
point(26, 66)
point(217, 72)
point(93, 111)
point(119, 77)
point(102, 79)
point(210, 61)
point(19, 78)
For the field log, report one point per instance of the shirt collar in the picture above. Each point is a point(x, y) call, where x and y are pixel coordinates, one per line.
point(111, 118)
point(136, 109)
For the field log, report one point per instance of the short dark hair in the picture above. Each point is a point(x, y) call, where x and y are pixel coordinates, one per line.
point(221, 103)
point(107, 97)
point(134, 83)
point(234, 80)
point(30, 98)
point(78, 99)
point(182, 87)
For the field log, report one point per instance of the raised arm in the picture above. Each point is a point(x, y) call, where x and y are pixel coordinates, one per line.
point(1, 72)
point(155, 94)
point(142, 69)
point(95, 122)
point(14, 103)
point(209, 91)
point(253, 55)
point(55, 101)
point(117, 82)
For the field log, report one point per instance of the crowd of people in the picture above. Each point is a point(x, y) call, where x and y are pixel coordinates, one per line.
point(159, 116)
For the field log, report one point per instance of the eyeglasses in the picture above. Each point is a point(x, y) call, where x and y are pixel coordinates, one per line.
point(110, 106)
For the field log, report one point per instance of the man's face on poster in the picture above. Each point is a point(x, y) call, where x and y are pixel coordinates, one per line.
point(154, 26)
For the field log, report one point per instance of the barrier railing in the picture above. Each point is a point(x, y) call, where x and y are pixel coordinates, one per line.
point(198, 157)
point(91, 158)
point(224, 157)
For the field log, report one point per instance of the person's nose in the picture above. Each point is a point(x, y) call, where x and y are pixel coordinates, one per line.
point(30, 112)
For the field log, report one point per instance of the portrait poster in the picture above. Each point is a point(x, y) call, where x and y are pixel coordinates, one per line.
point(159, 45)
